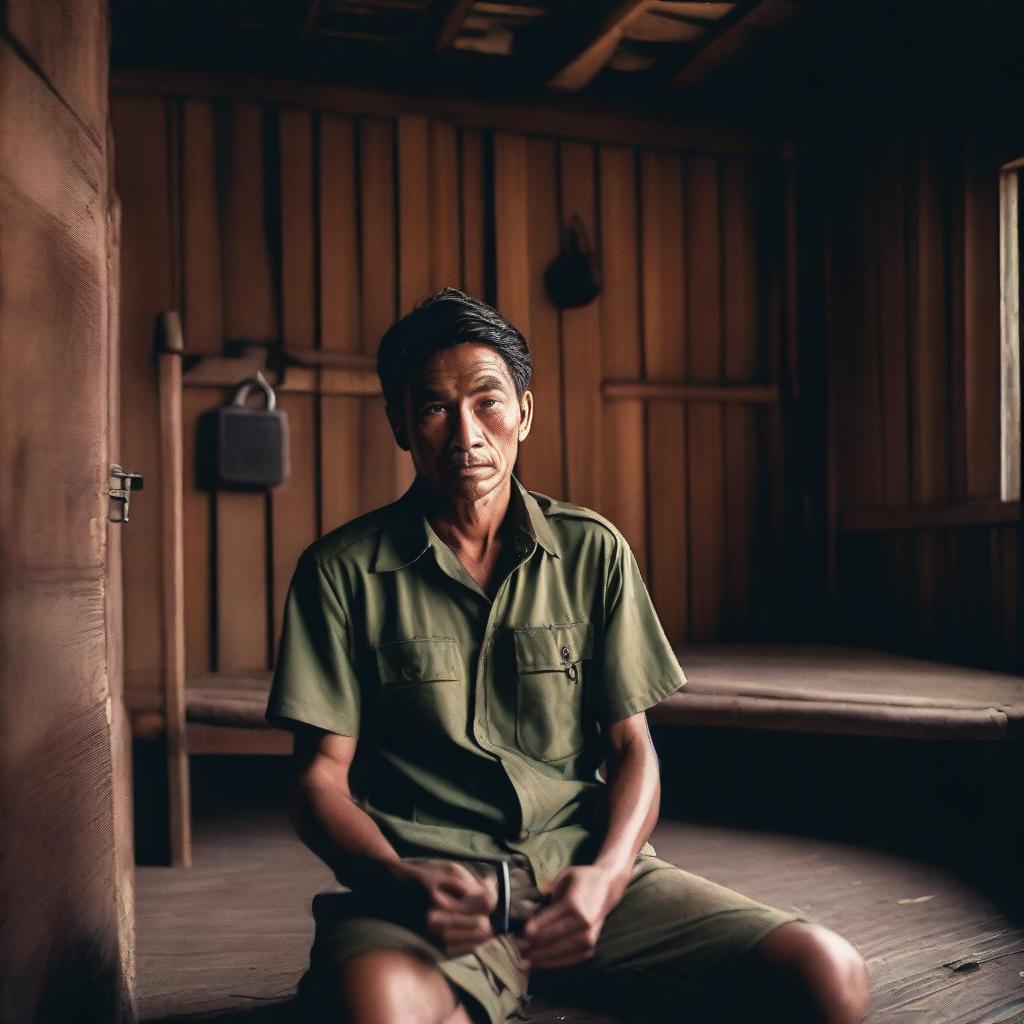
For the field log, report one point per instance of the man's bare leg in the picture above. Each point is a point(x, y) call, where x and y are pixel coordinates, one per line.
point(825, 979)
point(391, 987)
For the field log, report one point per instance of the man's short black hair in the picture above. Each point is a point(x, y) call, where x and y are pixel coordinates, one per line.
point(448, 318)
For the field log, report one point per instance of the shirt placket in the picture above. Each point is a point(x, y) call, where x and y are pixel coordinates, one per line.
point(484, 685)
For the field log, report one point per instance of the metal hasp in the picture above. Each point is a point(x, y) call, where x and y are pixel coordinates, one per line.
point(131, 481)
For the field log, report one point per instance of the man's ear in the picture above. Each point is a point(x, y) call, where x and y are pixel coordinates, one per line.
point(526, 415)
point(397, 428)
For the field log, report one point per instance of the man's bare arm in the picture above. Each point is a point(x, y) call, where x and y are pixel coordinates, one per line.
point(327, 817)
point(456, 904)
point(634, 796)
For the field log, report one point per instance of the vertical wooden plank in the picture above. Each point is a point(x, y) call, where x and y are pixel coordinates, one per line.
point(664, 341)
point(868, 442)
point(293, 505)
point(581, 339)
point(379, 280)
point(472, 210)
point(445, 223)
point(892, 305)
point(624, 499)
point(981, 314)
point(203, 322)
point(952, 184)
point(740, 344)
point(525, 211)
point(172, 619)
point(140, 127)
point(249, 312)
point(929, 376)
point(1009, 329)
point(340, 294)
point(542, 462)
point(415, 232)
point(704, 419)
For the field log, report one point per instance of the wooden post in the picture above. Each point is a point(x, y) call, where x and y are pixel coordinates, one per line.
point(171, 348)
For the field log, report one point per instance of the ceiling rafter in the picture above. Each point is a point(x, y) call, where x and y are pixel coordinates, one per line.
point(728, 36)
point(447, 16)
point(590, 52)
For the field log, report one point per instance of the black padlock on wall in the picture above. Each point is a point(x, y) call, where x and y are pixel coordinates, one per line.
point(241, 448)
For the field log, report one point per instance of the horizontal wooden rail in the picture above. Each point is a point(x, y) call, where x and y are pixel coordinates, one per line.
point(936, 517)
point(680, 391)
point(564, 117)
point(227, 372)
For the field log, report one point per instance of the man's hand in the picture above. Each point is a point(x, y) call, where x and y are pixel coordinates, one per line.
point(458, 904)
point(566, 931)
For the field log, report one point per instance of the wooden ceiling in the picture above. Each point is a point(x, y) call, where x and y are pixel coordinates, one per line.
point(608, 48)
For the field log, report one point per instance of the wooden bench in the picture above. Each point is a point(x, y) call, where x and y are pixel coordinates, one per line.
point(848, 690)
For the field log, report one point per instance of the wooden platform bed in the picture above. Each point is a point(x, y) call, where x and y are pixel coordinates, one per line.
point(822, 689)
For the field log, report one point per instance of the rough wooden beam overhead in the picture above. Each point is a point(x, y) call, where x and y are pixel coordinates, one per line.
point(595, 46)
point(729, 37)
point(448, 16)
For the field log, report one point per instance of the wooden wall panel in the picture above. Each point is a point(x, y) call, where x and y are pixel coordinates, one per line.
point(202, 275)
point(704, 425)
point(741, 364)
point(921, 278)
point(141, 129)
point(625, 497)
point(339, 289)
point(663, 301)
point(379, 472)
point(294, 508)
point(581, 339)
point(318, 228)
point(249, 312)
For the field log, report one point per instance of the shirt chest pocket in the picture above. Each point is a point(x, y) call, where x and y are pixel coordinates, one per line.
point(414, 662)
point(552, 669)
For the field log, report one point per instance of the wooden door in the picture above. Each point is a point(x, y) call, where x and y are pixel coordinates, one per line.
point(65, 852)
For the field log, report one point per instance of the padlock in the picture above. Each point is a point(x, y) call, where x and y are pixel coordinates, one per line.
point(241, 448)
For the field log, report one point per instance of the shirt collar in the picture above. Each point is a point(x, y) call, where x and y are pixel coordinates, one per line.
point(407, 534)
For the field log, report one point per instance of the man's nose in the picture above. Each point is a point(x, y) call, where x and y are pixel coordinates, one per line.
point(466, 431)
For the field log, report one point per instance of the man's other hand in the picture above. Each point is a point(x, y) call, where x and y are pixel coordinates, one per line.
point(566, 931)
point(458, 903)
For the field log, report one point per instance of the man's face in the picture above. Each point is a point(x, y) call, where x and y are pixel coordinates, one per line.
point(462, 422)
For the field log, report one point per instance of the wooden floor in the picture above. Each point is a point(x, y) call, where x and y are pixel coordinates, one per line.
point(231, 935)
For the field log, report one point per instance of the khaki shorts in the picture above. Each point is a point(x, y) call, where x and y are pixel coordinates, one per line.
point(666, 949)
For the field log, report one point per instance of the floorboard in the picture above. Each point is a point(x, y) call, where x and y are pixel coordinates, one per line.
point(229, 938)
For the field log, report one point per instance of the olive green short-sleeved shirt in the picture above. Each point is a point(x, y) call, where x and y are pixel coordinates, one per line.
point(479, 721)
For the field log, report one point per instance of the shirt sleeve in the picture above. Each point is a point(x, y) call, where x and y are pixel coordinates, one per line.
point(637, 666)
point(315, 679)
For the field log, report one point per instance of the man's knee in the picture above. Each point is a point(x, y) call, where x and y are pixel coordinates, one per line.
point(391, 986)
point(827, 977)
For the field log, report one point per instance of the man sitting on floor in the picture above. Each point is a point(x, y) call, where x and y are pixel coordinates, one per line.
point(457, 667)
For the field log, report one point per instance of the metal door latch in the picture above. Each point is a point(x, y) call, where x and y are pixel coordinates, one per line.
point(131, 481)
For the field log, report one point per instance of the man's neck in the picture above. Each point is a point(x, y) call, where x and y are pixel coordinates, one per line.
point(473, 527)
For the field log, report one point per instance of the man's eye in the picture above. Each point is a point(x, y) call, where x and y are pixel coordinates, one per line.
point(434, 406)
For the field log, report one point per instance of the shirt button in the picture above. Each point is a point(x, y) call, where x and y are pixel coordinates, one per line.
point(565, 654)
point(524, 834)
point(411, 672)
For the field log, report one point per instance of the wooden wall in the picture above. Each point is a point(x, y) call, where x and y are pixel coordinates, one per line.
point(270, 220)
point(66, 886)
point(925, 553)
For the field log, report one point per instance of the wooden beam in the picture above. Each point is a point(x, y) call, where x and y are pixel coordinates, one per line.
point(447, 15)
point(595, 46)
point(930, 517)
point(569, 118)
point(730, 36)
point(617, 390)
